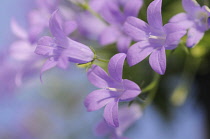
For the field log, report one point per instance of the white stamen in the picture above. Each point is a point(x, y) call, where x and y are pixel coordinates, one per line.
point(114, 89)
point(157, 37)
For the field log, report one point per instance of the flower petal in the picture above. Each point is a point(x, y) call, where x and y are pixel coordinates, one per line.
point(173, 39)
point(78, 52)
point(103, 129)
point(174, 34)
point(50, 63)
point(138, 52)
point(190, 6)
point(157, 60)
point(132, 7)
point(128, 115)
point(132, 90)
point(123, 43)
point(154, 16)
point(115, 66)
point(136, 28)
point(55, 26)
point(109, 35)
point(21, 50)
point(69, 27)
point(173, 27)
point(111, 113)
point(98, 77)
point(194, 36)
point(63, 62)
point(182, 20)
point(97, 99)
point(18, 30)
point(45, 46)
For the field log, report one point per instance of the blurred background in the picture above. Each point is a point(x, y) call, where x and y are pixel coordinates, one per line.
point(54, 109)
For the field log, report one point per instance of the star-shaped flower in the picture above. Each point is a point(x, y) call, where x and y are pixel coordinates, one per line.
point(60, 49)
point(153, 38)
point(196, 19)
point(113, 89)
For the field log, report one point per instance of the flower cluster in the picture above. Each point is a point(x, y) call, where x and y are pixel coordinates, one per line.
point(106, 22)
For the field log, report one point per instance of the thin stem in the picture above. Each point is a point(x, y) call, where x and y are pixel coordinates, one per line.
point(152, 84)
point(102, 60)
point(150, 97)
point(86, 7)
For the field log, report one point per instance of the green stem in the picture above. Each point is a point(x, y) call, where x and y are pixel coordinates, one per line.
point(102, 60)
point(86, 7)
point(150, 97)
point(152, 84)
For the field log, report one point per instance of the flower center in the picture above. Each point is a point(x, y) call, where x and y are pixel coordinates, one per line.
point(157, 38)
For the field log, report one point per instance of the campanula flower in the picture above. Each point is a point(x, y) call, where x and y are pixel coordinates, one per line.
point(152, 38)
point(60, 49)
point(196, 19)
point(115, 13)
point(127, 116)
point(114, 89)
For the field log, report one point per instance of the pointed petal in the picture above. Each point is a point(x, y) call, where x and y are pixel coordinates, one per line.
point(182, 20)
point(50, 63)
point(174, 33)
point(157, 60)
point(63, 62)
point(111, 114)
point(173, 27)
point(111, 12)
point(69, 27)
point(132, 90)
point(55, 26)
point(190, 6)
point(115, 66)
point(123, 43)
point(194, 36)
point(136, 28)
point(45, 46)
point(132, 8)
point(18, 30)
point(173, 39)
point(138, 52)
point(78, 52)
point(98, 77)
point(154, 16)
point(109, 35)
point(97, 99)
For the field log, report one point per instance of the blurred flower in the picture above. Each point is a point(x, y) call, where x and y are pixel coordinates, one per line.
point(196, 20)
point(153, 38)
point(114, 89)
point(128, 115)
point(60, 49)
point(115, 13)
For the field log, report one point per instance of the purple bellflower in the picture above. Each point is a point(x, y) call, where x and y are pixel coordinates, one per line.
point(113, 89)
point(127, 116)
point(153, 38)
point(60, 49)
point(112, 14)
point(196, 19)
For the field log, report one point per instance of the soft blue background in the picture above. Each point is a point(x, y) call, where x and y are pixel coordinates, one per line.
point(35, 102)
